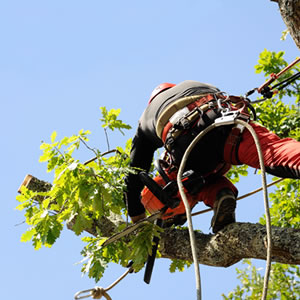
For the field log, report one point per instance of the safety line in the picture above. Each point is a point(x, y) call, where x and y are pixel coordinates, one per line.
point(266, 203)
point(188, 209)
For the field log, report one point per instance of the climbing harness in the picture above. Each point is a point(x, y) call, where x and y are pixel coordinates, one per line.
point(202, 112)
point(99, 292)
point(183, 120)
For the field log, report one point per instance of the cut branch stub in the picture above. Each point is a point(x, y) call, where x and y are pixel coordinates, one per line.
point(34, 184)
point(107, 226)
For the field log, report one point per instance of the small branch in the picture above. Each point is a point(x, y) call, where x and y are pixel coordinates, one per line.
point(92, 149)
point(102, 154)
point(20, 223)
point(60, 153)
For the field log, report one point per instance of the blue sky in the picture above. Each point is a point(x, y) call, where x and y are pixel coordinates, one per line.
point(61, 60)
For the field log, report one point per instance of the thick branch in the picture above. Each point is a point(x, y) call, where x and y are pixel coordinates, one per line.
point(233, 243)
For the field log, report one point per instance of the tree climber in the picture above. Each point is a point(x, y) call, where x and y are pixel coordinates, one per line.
point(165, 122)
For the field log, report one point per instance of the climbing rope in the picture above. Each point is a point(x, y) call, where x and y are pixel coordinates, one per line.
point(188, 209)
point(99, 292)
point(267, 208)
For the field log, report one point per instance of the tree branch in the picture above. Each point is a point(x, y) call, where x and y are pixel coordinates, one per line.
point(235, 242)
point(227, 247)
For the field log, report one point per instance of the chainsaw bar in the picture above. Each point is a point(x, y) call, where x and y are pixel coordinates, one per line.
point(132, 228)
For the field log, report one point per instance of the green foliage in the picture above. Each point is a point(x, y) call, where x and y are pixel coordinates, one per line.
point(135, 248)
point(109, 119)
point(80, 192)
point(235, 172)
point(179, 265)
point(270, 62)
point(284, 283)
point(283, 119)
point(285, 205)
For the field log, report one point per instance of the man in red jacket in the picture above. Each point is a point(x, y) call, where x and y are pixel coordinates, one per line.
point(167, 112)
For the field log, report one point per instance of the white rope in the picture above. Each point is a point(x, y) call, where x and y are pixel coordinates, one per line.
point(188, 209)
point(267, 208)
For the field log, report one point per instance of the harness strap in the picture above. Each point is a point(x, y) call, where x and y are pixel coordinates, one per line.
point(232, 145)
point(203, 110)
point(187, 115)
point(177, 109)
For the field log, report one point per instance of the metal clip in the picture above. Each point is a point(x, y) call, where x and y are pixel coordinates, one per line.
point(227, 118)
point(221, 105)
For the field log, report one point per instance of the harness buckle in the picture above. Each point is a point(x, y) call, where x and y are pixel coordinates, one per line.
point(227, 118)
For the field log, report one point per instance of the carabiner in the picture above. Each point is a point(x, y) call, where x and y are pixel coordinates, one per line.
point(223, 109)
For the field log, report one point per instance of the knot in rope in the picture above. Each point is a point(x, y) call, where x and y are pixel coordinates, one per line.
point(98, 292)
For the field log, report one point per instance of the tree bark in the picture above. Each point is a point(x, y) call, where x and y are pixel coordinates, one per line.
point(235, 242)
point(290, 13)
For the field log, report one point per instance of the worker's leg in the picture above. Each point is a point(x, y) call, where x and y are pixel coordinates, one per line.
point(221, 196)
point(209, 192)
point(281, 156)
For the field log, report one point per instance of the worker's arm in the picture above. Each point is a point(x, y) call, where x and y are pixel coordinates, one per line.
point(141, 157)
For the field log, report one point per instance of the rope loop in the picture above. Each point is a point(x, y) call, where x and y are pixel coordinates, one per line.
point(98, 292)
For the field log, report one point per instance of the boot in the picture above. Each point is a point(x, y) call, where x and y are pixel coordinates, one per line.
point(224, 210)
